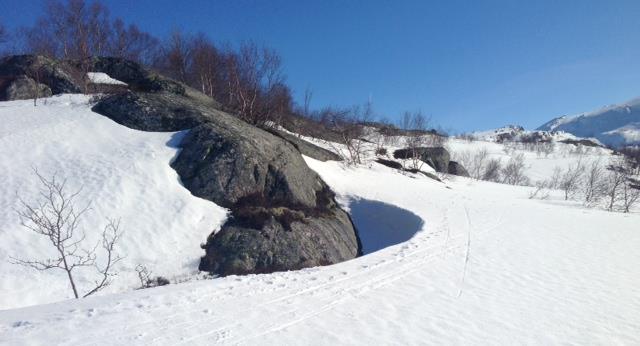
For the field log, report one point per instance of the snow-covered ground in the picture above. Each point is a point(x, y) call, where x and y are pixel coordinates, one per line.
point(488, 266)
point(123, 173)
point(460, 262)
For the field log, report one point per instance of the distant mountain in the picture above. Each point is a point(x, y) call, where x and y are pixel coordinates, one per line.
point(614, 125)
point(519, 134)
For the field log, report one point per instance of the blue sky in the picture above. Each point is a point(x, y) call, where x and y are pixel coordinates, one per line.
point(467, 64)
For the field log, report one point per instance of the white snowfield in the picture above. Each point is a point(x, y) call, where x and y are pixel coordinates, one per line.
point(460, 262)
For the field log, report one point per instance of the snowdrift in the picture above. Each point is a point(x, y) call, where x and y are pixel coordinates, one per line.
point(122, 173)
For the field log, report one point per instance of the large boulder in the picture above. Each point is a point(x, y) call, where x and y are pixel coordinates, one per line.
point(22, 88)
point(457, 169)
point(262, 240)
point(436, 157)
point(135, 75)
point(226, 161)
point(59, 76)
point(161, 111)
point(283, 216)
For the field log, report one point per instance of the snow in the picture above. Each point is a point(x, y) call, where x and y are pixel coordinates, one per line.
point(459, 262)
point(539, 167)
point(103, 78)
point(124, 173)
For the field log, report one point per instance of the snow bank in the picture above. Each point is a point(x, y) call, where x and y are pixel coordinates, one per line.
point(103, 78)
point(123, 173)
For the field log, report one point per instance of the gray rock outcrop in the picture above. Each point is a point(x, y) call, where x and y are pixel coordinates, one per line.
point(436, 157)
point(284, 216)
point(306, 148)
point(457, 169)
point(59, 77)
point(22, 88)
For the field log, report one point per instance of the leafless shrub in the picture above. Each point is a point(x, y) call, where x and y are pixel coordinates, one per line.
point(556, 178)
point(146, 279)
point(513, 171)
point(416, 124)
point(571, 179)
point(474, 161)
point(348, 124)
point(492, 170)
point(541, 190)
point(594, 185)
point(630, 195)
point(57, 218)
point(548, 148)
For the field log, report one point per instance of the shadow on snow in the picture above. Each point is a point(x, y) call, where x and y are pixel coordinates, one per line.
point(381, 225)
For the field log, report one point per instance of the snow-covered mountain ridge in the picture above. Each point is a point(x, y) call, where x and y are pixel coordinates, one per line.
point(613, 125)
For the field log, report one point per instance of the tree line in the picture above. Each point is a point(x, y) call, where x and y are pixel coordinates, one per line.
point(247, 80)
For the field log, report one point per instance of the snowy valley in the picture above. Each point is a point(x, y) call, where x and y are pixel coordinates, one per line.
point(461, 261)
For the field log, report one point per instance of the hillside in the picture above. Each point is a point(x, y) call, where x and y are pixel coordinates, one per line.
point(614, 125)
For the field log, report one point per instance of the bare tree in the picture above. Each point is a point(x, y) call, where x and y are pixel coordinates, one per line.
point(513, 171)
point(129, 42)
point(556, 178)
point(630, 195)
point(594, 182)
point(478, 161)
point(308, 95)
point(56, 218)
point(476, 164)
point(614, 182)
point(349, 125)
point(70, 30)
point(571, 179)
point(415, 125)
point(177, 55)
point(492, 170)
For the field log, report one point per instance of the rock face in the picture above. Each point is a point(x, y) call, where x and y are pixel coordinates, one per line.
point(267, 239)
point(31, 70)
point(137, 77)
point(161, 111)
point(283, 217)
point(227, 162)
point(307, 148)
point(22, 88)
point(457, 169)
point(436, 157)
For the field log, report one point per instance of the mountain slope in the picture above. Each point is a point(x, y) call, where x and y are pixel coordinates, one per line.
point(613, 125)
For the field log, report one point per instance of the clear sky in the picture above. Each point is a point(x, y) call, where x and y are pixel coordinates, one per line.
point(468, 64)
